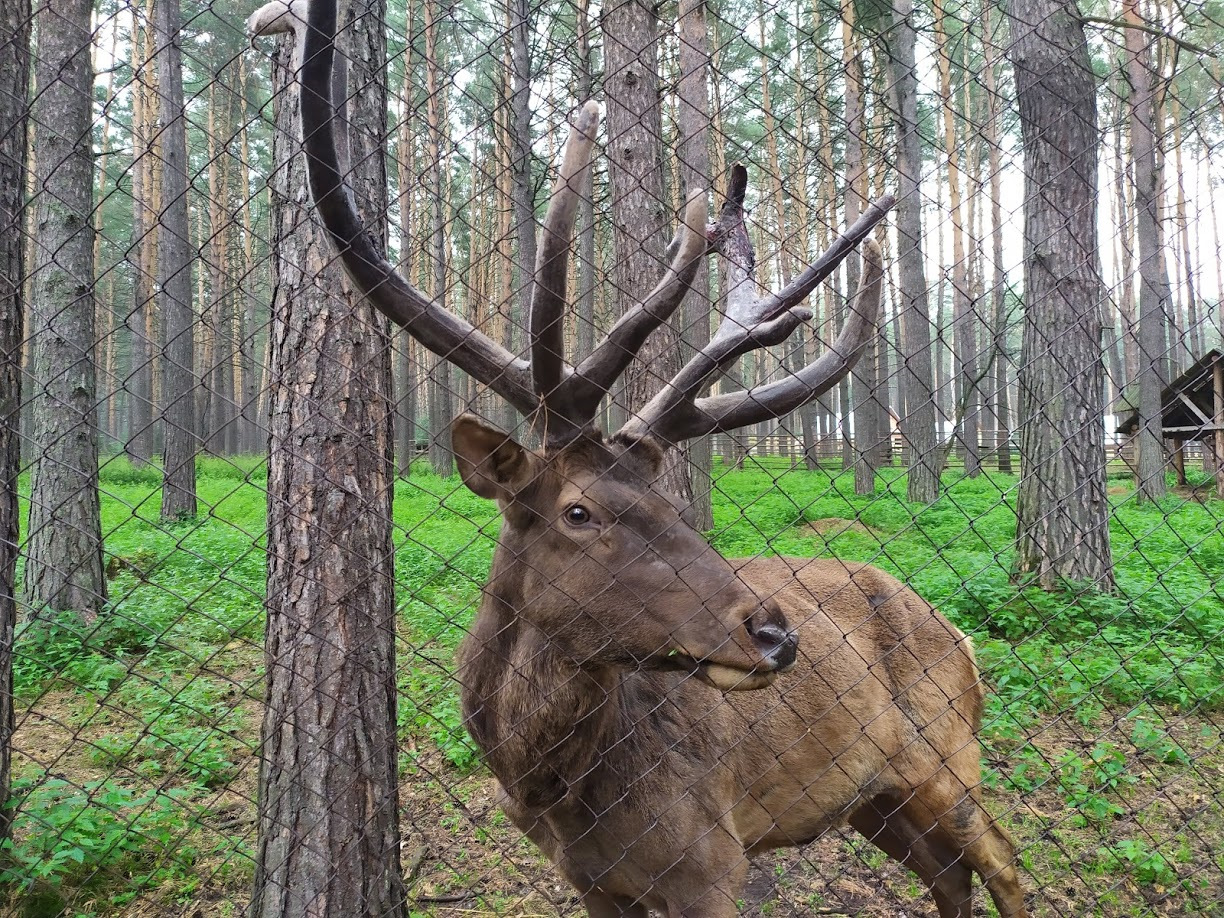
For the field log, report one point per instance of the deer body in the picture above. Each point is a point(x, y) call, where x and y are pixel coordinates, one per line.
point(647, 787)
point(652, 711)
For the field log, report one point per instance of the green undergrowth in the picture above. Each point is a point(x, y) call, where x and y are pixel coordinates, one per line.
point(163, 687)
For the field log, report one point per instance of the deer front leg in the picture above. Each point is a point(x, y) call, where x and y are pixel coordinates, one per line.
point(601, 905)
point(713, 889)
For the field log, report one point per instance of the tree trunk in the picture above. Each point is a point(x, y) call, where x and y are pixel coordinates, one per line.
point(964, 331)
point(863, 376)
point(253, 420)
point(405, 377)
point(210, 411)
point(105, 308)
point(998, 281)
point(14, 72)
point(1062, 509)
point(918, 390)
point(506, 318)
point(1194, 325)
point(522, 180)
point(1126, 235)
point(64, 552)
point(174, 275)
point(138, 383)
point(586, 207)
point(1153, 283)
point(441, 396)
point(635, 166)
point(328, 811)
point(693, 153)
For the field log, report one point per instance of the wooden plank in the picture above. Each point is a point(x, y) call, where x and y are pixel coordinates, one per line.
point(1193, 407)
point(1172, 432)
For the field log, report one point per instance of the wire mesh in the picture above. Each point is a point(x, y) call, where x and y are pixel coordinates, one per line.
point(273, 651)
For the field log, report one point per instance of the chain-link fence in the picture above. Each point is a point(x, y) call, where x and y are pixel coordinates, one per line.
point(286, 638)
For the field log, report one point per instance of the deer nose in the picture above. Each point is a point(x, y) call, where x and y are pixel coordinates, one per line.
point(777, 645)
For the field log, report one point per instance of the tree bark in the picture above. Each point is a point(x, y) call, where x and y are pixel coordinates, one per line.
point(964, 332)
point(174, 275)
point(15, 73)
point(917, 385)
point(405, 375)
point(693, 153)
point(105, 318)
point(521, 179)
point(64, 552)
point(863, 376)
point(253, 421)
point(1194, 326)
point(328, 815)
point(586, 207)
point(1154, 342)
point(1062, 508)
point(138, 383)
point(998, 282)
point(635, 166)
point(441, 396)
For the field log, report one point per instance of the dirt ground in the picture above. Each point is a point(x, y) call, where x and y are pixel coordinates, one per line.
point(463, 858)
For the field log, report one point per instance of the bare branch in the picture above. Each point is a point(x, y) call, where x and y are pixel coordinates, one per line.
point(1150, 30)
point(552, 263)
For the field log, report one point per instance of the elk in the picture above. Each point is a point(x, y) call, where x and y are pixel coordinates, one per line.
point(653, 712)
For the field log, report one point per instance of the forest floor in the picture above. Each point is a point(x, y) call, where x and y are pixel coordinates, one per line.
point(137, 736)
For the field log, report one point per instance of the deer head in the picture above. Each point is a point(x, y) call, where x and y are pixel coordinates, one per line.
point(593, 554)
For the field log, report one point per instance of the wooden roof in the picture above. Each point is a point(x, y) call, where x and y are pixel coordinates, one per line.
point(1187, 403)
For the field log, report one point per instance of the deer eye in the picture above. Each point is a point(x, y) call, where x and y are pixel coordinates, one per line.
point(577, 515)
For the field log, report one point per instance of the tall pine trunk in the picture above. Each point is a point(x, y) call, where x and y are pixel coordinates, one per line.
point(917, 384)
point(441, 396)
point(964, 328)
point(863, 376)
point(1062, 510)
point(998, 281)
point(138, 383)
point(174, 275)
point(1154, 330)
point(405, 373)
point(693, 153)
point(14, 72)
point(635, 166)
point(328, 813)
point(64, 552)
point(585, 89)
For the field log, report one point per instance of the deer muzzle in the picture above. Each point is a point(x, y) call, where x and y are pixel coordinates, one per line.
point(760, 648)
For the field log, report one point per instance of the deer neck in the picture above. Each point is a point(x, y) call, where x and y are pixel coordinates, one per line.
point(541, 720)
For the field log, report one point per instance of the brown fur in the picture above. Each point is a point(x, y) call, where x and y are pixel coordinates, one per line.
point(646, 786)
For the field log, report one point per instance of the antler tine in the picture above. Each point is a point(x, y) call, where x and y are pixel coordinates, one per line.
point(548, 299)
point(442, 332)
point(676, 414)
point(595, 376)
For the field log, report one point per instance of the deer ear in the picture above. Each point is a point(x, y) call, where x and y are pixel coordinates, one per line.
point(490, 462)
point(648, 452)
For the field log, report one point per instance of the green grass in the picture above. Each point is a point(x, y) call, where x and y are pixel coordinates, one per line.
point(164, 686)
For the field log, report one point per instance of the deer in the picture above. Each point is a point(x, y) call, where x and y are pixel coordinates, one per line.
point(654, 713)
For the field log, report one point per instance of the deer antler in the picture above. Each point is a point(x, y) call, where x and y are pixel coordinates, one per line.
point(676, 414)
point(596, 375)
point(548, 366)
point(570, 396)
point(439, 330)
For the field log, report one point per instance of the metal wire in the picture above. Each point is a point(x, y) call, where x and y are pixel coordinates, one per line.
point(297, 634)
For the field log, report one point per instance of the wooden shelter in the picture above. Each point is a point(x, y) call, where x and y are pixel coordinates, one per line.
point(1192, 409)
